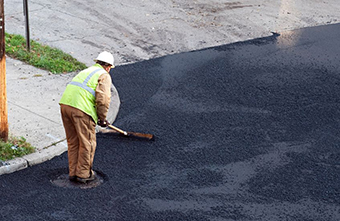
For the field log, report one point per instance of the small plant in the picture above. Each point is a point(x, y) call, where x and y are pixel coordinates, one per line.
point(14, 147)
point(41, 56)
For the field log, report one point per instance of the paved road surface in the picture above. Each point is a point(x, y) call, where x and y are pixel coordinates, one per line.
point(246, 131)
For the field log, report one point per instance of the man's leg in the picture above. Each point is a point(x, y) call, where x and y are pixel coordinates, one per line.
point(85, 127)
point(68, 114)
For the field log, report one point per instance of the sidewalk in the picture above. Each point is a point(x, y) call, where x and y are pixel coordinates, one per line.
point(33, 112)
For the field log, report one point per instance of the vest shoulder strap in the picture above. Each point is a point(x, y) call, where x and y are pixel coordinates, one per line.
point(84, 83)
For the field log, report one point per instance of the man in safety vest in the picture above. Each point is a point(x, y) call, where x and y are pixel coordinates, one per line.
point(84, 103)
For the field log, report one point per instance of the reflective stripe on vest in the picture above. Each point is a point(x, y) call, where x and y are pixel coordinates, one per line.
point(84, 84)
point(80, 92)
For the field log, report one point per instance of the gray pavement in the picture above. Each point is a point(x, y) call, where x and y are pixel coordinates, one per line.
point(133, 31)
point(33, 112)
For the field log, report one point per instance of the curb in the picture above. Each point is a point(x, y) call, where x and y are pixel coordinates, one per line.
point(38, 157)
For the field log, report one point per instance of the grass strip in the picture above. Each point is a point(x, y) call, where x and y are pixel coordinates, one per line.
point(14, 147)
point(41, 56)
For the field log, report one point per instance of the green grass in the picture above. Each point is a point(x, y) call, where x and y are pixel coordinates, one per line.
point(41, 56)
point(14, 147)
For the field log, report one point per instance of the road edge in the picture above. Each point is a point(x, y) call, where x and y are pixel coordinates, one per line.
point(32, 159)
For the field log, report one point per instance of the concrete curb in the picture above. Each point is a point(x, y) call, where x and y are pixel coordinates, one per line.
point(40, 156)
point(11, 166)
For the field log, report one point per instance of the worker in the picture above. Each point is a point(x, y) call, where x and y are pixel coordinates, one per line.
point(85, 103)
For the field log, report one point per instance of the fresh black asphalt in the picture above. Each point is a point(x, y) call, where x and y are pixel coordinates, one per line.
point(246, 131)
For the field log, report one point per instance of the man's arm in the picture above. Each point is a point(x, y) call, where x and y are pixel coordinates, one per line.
point(103, 96)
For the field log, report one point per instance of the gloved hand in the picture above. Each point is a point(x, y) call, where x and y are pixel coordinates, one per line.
point(103, 123)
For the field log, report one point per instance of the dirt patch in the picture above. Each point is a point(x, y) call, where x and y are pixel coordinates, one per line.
point(140, 30)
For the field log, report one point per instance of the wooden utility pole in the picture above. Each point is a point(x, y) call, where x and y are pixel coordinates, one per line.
point(3, 91)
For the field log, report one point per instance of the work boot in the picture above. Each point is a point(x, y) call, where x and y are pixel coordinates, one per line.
point(89, 179)
point(72, 178)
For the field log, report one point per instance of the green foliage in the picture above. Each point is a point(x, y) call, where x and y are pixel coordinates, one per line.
point(14, 147)
point(41, 56)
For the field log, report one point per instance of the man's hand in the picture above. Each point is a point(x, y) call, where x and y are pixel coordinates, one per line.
point(103, 123)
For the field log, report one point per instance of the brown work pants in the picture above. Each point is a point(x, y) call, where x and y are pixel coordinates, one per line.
point(81, 140)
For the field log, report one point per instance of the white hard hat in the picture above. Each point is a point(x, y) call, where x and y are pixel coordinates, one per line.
point(106, 57)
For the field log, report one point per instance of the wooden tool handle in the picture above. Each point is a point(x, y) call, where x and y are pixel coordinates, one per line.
point(133, 134)
point(119, 130)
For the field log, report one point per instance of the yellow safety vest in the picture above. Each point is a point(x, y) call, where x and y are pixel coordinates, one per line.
point(80, 92)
